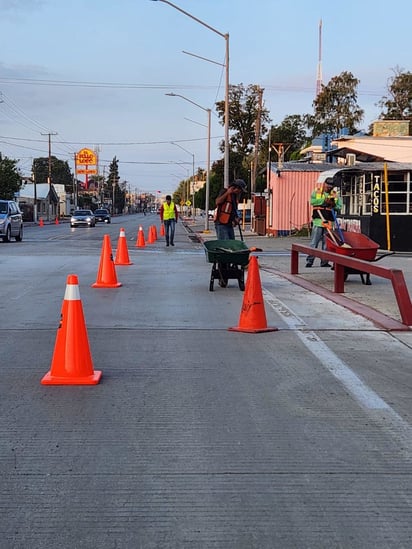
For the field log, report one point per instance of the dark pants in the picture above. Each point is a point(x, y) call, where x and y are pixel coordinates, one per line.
point(170, 225)
point(224, 232)
point(318, 236)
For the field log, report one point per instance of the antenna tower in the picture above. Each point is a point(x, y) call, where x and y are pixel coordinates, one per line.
point(319, 73)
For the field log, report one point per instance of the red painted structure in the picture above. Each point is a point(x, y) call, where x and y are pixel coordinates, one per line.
point(288, 195)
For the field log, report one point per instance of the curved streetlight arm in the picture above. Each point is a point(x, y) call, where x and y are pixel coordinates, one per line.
point(226, 121)
point(203, 58)
point(171, 94)
point(192, 17)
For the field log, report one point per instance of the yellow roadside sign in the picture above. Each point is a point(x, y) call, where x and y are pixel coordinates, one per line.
point(188, 203)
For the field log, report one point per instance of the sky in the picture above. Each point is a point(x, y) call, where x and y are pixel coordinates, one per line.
point(94, 74)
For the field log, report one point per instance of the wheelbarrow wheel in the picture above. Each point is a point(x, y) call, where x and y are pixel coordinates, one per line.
point(223, 282)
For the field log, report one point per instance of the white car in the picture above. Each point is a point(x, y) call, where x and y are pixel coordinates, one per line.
point(82, 217)
point(11, 221)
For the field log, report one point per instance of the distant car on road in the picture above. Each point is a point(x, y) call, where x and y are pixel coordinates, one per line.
point(82, 217)
point(102, 215)
point(11, 221)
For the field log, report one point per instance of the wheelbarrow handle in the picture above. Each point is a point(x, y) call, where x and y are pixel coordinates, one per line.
point(379, 257)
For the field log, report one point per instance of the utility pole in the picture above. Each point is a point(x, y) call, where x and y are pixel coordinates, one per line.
point(280, 149)
point(49, 175)
point(257, 139)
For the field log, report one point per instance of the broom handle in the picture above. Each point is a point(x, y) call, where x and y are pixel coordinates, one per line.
point(332, 236)
point(337, 225)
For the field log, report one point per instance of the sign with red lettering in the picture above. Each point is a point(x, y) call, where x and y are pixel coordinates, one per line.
point(86, 157)
point(89, 171)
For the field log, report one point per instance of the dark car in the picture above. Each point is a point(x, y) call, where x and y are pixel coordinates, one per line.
point(11, 221)
point(102, 215)
point(82, 217)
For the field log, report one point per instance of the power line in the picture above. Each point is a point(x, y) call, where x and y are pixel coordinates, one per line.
point(120, 85)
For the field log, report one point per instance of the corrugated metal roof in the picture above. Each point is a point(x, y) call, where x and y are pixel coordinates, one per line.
point(302, 167)
point(361, 166)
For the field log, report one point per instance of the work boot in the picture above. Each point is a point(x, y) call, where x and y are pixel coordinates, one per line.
point(325, 265)
point(308, 265)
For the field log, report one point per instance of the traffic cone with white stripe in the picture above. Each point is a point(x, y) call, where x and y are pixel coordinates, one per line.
point(72, 361)
point(122, 253)
point(140, 238)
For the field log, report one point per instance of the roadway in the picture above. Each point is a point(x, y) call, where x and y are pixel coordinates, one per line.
point(196, 436)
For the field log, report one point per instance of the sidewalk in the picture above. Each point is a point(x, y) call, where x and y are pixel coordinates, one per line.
point(366, 300)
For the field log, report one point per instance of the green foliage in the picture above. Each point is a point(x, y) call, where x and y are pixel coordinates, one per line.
point(336, 106)
point(60, 171)
point(10, 178)
point(243, 112)
point(291, 132)
point(398, 104)
point(119, 194)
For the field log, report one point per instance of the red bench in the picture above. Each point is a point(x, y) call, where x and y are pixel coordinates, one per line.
point(341, 261)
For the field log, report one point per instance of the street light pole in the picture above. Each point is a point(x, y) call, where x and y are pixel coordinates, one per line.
point(226, 37)
point(193, 174)
point(207, 192)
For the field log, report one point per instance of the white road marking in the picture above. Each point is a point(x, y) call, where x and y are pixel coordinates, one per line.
point(363, 394)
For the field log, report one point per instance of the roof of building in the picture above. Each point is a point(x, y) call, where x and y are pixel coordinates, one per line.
point(42, 191)
point(302, 166)
point(370, 148)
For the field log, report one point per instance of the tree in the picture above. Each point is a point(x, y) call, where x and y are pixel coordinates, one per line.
point(398, 104)
point(10, 178)
point(243, 113)
point(336, 106)
point(118, 195)
point(60, 171)
point(291, 133)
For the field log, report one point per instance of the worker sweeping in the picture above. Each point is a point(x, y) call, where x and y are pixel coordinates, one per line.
point(324, 201)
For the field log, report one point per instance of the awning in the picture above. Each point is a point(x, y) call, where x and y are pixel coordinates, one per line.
point(328, 174)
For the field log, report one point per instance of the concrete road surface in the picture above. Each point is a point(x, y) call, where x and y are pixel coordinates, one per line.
point(196, 436)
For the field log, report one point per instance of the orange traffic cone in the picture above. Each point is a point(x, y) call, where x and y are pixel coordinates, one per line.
point(150, 238)
point(56, 222)
point(154, 232)
point(72, 362)
point(140, 238)
point(253, 315)
point(41, 222)
point(162, 229)
point(122, 254)
point(106, 276)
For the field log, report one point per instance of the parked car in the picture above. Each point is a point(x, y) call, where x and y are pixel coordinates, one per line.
point(11, 221)
point(102, 215)
point(82, 217)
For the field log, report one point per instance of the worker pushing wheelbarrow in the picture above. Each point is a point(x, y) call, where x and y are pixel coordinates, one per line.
point(230, 257)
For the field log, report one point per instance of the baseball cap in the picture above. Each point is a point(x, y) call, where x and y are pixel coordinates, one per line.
point(239, 183)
